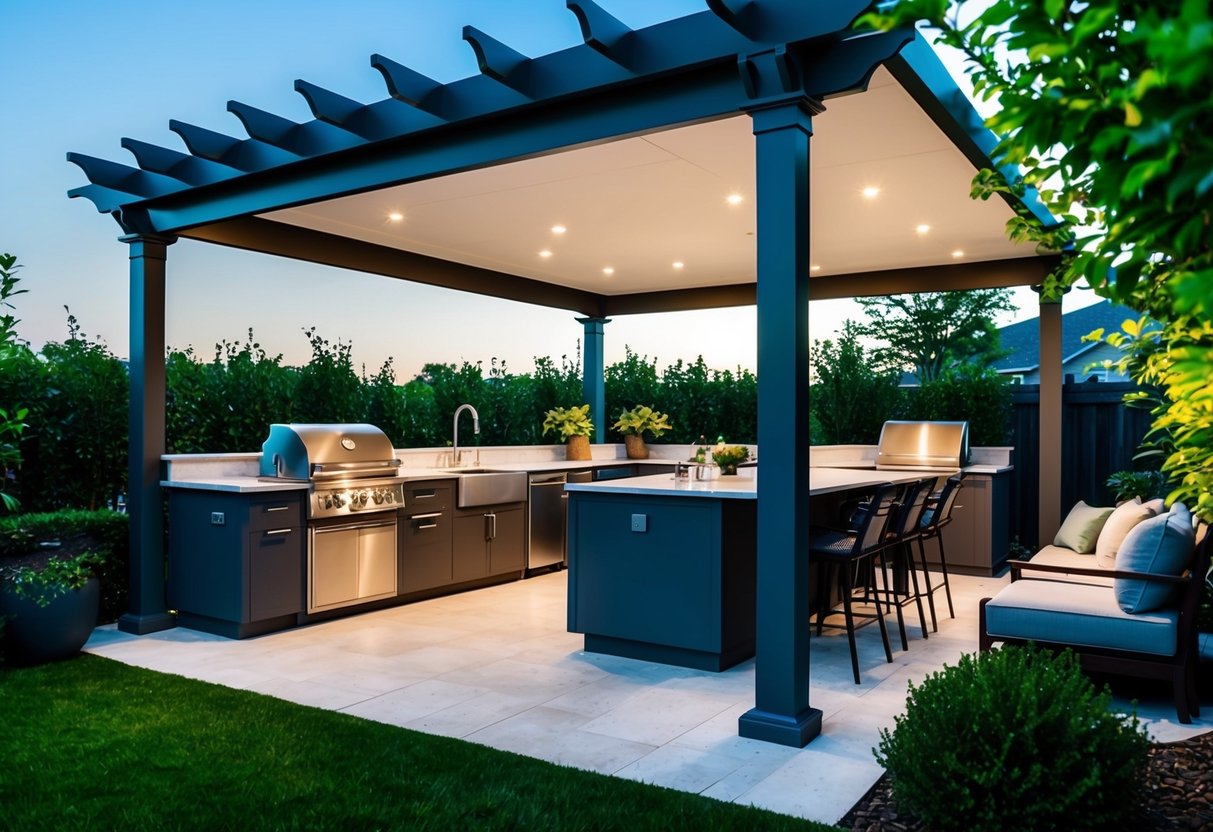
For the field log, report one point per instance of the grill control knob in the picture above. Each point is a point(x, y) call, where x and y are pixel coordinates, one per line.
point(389, 496)
point(361, 498)
point(338, 500)
point(326, 501)
point(378, 496)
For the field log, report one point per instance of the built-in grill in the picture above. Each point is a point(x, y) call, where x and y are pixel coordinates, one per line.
point(925, 446)
point(353, 500)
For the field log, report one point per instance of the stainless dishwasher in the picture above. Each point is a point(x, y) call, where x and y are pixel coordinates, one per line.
point(547, 521)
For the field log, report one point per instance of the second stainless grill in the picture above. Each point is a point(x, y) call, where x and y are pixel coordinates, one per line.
point(923, 445)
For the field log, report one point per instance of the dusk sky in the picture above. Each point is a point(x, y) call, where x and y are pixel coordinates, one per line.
point(79, 76)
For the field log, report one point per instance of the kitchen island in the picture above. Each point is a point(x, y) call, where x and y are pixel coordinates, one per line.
point(664, 570)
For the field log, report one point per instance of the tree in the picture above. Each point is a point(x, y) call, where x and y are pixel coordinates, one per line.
point(1104, 109)
point(11, 420)
point(850, 398)
point(930, 332)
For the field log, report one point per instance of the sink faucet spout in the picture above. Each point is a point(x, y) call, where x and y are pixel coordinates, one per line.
point(455, 430)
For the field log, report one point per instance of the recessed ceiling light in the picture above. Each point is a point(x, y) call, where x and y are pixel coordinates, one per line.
point(923, 229)
point(608, 271)
point(558, 229)
point(678, 264)
point(545, 253)
point(958, 253)
point(734, 199)
point(396, 216)
point(871, 192)
point(814, 268)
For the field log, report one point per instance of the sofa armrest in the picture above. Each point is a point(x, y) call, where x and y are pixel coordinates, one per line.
point(1018, 566)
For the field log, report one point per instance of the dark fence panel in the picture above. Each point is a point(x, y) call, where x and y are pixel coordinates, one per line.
point(1100, 436)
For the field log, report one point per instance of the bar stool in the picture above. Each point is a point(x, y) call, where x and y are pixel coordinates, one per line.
point(843, 553)
point(904, 529)
point(935, 516)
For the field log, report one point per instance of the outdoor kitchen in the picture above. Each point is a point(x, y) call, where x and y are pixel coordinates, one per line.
point(331, 520)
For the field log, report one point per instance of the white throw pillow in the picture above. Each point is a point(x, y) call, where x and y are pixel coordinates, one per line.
point(1127, 515)
point(1161, 545)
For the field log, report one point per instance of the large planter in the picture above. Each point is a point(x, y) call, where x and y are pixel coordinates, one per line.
point(36, 635)
point(577, 447)
point(635, 447)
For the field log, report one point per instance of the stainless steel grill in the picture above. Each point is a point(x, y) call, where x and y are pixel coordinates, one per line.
point(941, 446)
point(352, 467)
point(353, 502)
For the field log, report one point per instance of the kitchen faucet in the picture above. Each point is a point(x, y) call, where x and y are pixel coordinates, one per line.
point(455, 431)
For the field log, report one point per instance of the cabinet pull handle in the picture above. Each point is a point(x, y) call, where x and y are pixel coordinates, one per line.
point(277, 532)
point(268, 509)
point(426, 494)
point(426, 516)
point(492, 526)
point(424, 526)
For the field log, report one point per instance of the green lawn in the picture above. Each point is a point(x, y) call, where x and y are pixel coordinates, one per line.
point(92, 744)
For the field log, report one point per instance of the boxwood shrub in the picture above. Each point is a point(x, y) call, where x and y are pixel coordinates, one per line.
point(1015, 739)
point(107, 533)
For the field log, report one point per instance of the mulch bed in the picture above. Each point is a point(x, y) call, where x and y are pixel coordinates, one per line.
point(1179, 794)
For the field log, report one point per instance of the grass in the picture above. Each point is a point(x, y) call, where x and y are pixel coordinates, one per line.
point(92, 744)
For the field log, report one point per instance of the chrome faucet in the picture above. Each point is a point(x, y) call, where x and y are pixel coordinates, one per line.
point(455, 431)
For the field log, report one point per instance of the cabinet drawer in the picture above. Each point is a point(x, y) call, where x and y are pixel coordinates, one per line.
point(425, 551)
point(283, 511)
point(422, 497)
point(275, 570)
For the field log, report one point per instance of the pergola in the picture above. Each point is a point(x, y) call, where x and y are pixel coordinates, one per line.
point(636, 136)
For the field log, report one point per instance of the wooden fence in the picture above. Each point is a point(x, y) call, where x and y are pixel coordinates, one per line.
point(1100, 436)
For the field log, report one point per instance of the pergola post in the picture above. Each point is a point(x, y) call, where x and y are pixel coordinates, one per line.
point(1049, 510)
point(148, 611)
point(782, 713)
point(593, 383)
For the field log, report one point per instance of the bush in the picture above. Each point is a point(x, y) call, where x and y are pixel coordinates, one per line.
point(1014, 739)
point(849, 399)
point(106, 532)
point(972, 393)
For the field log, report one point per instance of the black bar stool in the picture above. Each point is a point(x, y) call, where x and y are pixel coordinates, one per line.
point(935, 516)
point(843, 553)
point(904, 529)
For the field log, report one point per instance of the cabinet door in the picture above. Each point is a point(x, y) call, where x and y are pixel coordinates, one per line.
point(377, 561)
point(275, 570)
point(334, 567)
point(470, 550)
point(507, 549)
point(425, 551)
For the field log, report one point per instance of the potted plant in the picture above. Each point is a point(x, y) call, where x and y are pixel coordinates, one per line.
point(635, 423)
point(728, 456)
point(573, 425)
point(51, 611)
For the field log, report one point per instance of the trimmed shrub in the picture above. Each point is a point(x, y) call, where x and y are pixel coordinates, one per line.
point(105, 532)
point(1015, 739)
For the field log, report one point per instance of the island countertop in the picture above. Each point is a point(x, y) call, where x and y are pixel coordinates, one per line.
point(744, 486)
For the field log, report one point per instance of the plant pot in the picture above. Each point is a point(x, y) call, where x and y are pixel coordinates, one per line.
point(577, 447)
point(37, 635)
point(728, 470)
point(635, 447)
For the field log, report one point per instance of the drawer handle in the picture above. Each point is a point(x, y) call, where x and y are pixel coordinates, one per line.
point(425, 495)
point(277, 532)
point(268, 509)
point(426, 516)
point(424, 526)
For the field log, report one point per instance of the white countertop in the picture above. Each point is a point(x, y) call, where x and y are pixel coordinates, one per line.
point(743, 486)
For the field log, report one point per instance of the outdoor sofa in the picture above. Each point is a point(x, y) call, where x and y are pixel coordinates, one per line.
point(1121, 588)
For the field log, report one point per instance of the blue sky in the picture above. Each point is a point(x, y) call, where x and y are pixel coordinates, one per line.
point(80, 75)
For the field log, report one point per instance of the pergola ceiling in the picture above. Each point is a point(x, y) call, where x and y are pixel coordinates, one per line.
point(639, 205)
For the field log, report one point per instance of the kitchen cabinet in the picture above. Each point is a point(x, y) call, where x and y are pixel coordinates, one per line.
point(977, 539)
point(235, 560)
point(426, 537)
point(488, 542)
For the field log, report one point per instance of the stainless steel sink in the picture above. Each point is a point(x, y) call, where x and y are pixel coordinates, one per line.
point(482, 487)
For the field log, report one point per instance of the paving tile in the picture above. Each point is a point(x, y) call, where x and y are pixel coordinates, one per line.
point(400, 707)
point(682, 768)
point(555, 735)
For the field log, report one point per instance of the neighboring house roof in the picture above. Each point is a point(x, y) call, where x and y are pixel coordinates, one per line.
point(1022, 339)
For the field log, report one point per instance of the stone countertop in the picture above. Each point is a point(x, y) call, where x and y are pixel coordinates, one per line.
point(743, 486)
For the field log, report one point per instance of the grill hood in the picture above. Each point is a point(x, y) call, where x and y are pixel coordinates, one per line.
point(313, 452)
point(922, 445)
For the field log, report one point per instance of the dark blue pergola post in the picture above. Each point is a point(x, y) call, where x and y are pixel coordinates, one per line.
point(782, 713)
point(592, 382)
point(148, 610)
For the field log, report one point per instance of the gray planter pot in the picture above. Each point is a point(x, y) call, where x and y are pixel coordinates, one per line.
point(36, 635)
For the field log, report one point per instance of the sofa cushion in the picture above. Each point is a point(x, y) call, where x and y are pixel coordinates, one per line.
point(1127, 515)
point(1161, 545)
point(1061, 556)
point(1081, 528)
point(1081, 615)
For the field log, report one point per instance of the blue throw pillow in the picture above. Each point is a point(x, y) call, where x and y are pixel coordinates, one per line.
point(1161, 545)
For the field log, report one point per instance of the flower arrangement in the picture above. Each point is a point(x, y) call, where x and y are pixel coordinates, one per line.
point(728, 457)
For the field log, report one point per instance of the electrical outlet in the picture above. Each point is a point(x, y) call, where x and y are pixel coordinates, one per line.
point(218, 518)
point(640, 522)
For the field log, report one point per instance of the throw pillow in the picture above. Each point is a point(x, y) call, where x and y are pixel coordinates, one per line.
point(1161, 545)
point(1120, 523)
point(1082, 527)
